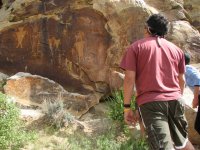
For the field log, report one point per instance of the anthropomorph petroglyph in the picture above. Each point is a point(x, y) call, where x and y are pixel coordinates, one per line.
point(53, 43)
point(79, 45)
point(35, 40)
point(20, 34)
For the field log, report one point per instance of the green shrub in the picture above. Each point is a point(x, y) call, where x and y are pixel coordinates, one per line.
point(133, 144)
point(116, 107)
point(116, 112)
point(12, 134)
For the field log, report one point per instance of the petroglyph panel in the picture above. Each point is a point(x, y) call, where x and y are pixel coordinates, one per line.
point(72, 47)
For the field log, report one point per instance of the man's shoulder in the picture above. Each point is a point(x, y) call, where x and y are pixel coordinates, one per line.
point(169, 43)
point(141, 41)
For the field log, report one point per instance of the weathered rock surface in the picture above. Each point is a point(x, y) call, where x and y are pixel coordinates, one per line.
point(192, 7)
point(65, 51)
point(190, 113)
point(79, 43)
point(186, 37)
point(34, 90)
point(194, 137)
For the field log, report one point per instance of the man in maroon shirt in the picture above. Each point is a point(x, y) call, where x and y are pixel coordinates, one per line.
point(156, 67)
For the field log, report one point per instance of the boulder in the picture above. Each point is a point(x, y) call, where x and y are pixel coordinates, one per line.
point(190, 114)
point(173, 9)
point(193, 135)
point(192, 7)
point(186, 37)
point(34, 90)
point(66, 51)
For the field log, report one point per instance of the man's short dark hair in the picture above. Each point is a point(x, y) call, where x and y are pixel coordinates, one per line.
point(187, 58)
point(158, 24)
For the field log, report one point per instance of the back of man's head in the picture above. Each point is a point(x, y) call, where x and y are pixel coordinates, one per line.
point(157, 24)
point(187, 58)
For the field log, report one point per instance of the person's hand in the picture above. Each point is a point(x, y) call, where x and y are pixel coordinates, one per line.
point(131, 117)
point(128, 116)
point(195, 102)
point(136, 116)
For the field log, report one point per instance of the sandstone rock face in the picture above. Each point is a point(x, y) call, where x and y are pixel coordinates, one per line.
point(186, 37)
point(67, 50)
point(77, 46)
point(190, 113)
point(35, 90)
point(79, 43)
point(192, 7)
point(173, 9)
point(194, 137)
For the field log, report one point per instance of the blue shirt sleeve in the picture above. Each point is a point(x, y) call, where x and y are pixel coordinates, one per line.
point(192, 76)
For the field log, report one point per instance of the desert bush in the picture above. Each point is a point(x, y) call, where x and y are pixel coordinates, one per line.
point(56, 114)
point(115, 105)
point(12, 133)
point(116, 113)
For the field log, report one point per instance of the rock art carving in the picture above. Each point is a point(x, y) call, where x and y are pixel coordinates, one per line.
point(35, 40)
point(80, 45)
point(20, 34)
point(53, 43)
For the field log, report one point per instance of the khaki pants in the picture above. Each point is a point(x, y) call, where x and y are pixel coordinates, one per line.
point(165, 124)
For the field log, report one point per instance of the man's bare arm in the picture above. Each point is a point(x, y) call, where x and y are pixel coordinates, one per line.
point(196, 96)
point(129, 83)
point(181, 78)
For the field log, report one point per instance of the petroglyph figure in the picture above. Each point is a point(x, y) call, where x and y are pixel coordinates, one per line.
point(91, 58)
point(53, 43)
point(20, 34)
point(80, 45)
point(68, 65)
point(35, 40)
point(85, 20)
point(59, 60)
point(65, 32)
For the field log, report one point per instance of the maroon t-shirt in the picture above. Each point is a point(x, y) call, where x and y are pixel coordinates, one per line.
point(157, 69)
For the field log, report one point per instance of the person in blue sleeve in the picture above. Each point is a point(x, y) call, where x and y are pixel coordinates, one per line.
point(192, 76)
